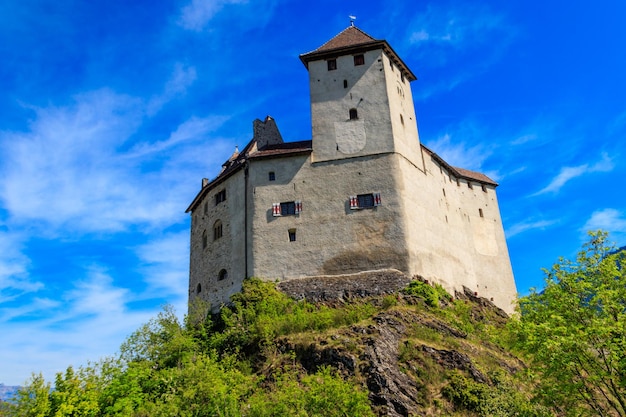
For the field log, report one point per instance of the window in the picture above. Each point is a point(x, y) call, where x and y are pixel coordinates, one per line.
point(217, 230)
point(345, 83)
point(219, 197)
point(272, 176)
point(480, 212)
point(401, 119)
point(198, 288)
point(292, 235)
point(365, 201)
point(204, 240)
point(332, 64)
point(288, 208)
point(206, 208)
point(222, 275)
point(353, 114)
point(359, 60)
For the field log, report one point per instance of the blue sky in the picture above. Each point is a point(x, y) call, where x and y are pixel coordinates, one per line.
point(112, 111)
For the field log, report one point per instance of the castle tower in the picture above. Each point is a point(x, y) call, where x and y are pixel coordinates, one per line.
point(361, 102)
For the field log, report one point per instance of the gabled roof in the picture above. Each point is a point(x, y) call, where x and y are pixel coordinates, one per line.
point(353, 40)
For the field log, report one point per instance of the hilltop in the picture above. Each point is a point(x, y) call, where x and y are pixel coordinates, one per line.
point(379, 344)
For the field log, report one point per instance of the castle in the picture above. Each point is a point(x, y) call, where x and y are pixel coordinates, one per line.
point(362, 195)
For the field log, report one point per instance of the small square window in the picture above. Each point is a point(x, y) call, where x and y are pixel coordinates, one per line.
point(292, 235)
point(359, 60)
point(353, 114)
point(272, 176)
point(332, 64)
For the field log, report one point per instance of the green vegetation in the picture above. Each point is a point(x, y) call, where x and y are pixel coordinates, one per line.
point(420, 351)
point(573, 333)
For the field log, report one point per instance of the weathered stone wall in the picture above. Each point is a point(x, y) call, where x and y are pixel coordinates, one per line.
point(450, 242)
point(345, 286)
point(224, 253)
point(330, 237)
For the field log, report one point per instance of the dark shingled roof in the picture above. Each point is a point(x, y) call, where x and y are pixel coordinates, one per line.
point(353, 40)
point(350, 36)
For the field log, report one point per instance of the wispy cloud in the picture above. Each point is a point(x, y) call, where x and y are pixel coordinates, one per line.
point(568, 173)
point(182, 78)
point(455, 26)
point(525, 226)
point(165, 263)
point(90, 322)
point(461, 146)
point(196, 15)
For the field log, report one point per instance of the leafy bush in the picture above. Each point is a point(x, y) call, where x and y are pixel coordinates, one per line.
point(421, 289)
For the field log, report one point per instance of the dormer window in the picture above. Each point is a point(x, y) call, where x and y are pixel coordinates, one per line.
point(332, 64)
point(359, 60)
point(353, 114)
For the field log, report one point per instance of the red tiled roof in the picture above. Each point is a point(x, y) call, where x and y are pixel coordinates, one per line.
point(350, 36)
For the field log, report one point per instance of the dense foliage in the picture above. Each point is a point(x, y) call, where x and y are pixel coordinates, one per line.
point(451, 354)
point(573, 332)
point(202, 367)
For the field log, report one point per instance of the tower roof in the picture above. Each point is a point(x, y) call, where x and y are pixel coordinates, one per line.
point(353, 40)
point(350, 36)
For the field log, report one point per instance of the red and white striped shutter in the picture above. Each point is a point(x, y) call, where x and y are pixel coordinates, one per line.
point(354, 202)
point(298, 206)
point(377, 200)
point(276, 209)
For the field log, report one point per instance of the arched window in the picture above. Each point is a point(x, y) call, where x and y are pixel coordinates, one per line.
point(222, 275)
point(204, 239)
point(198, 288)
point(217, 230)
point(353, 114)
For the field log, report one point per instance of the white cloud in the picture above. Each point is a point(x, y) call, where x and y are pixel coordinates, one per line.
point(72, 168)
point(568, 173)
point(196, 15)
point(609, 219)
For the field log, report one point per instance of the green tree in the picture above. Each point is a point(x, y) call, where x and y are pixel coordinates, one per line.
point(574, 332)
point(33, 400)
